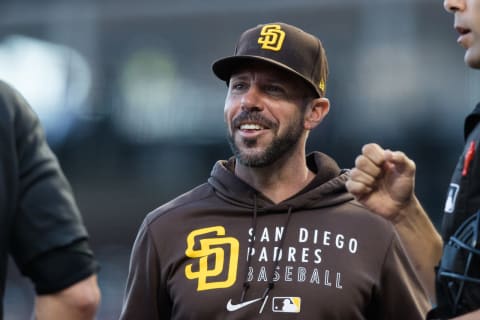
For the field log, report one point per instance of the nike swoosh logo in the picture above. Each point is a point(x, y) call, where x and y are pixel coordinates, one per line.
point(234, 307)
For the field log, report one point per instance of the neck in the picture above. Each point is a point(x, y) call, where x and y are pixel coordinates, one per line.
point(280, 180)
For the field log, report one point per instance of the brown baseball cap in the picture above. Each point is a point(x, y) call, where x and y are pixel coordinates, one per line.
point(284, 46)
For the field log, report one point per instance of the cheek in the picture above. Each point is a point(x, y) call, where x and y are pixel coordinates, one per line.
point(228, 115)
point(230, 109)
point(227, 108)
point(225, 114)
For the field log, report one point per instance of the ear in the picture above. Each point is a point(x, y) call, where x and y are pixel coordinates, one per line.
point(317, 109)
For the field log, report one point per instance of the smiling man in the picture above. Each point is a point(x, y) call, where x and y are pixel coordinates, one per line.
point(273, 233)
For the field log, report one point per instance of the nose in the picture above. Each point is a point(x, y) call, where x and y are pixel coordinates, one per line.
point(453, 6)
point(251, 99)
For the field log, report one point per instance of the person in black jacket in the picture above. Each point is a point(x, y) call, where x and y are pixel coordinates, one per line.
point(41, 226)
point(383, 180)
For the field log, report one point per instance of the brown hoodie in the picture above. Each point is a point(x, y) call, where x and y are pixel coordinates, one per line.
point(212, 254)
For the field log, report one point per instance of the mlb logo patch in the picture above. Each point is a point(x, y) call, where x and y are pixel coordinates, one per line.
point(286, 304)
point(451, 197)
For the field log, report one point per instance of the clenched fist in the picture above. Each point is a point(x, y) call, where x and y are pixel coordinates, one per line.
point(383, 181)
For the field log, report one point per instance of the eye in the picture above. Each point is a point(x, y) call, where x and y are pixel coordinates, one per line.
point(237, 85)
point(274, 89)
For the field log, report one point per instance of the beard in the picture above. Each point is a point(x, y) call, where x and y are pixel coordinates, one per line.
point(279, 146)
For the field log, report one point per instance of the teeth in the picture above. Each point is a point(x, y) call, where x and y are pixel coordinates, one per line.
point(249, 126)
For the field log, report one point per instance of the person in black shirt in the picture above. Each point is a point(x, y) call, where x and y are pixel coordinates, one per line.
point(383, 180)
point(41, 226)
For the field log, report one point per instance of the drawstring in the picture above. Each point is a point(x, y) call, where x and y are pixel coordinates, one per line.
point(271, 283)
point(246, 284)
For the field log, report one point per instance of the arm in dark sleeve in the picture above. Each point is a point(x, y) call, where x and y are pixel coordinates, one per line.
point(62, 267)
point(401, 294)
point(143, 295)
point(47, 221)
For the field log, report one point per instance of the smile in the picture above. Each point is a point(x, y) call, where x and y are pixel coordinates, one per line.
point(251, 126)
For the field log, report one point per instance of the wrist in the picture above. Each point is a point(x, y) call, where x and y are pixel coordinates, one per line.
point(408, 210)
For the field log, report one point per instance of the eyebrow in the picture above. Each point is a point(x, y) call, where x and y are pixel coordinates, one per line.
point(268, 78)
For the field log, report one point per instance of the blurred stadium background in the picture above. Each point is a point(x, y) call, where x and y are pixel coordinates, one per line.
point(131, 108)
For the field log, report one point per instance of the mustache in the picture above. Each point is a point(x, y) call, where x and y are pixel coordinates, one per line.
point(252, 116)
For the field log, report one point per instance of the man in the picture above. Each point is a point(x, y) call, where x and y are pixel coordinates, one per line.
point(273, 234)
point(41, 226)
point(383, 181)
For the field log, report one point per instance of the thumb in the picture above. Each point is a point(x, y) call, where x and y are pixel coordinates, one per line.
point(399, 161)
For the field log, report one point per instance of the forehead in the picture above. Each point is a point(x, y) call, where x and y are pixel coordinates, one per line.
point(266, 71)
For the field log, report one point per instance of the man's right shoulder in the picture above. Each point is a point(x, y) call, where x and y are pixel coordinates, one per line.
point(198, 195)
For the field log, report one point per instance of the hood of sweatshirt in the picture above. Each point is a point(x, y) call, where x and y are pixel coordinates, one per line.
point(326, 189)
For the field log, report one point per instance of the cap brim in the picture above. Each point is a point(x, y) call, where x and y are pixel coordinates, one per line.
point(224, 67)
